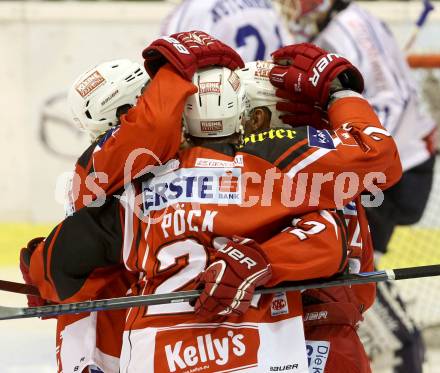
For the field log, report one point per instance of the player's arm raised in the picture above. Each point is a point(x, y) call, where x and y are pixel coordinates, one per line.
point(353, 141)
point(150, 133)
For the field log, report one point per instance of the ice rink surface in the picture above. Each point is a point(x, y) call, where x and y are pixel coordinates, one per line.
point(26, 345)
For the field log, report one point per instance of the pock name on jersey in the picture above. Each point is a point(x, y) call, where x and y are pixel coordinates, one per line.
point(219, 186)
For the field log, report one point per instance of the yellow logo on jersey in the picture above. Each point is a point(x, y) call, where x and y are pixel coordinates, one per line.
point(279, 133)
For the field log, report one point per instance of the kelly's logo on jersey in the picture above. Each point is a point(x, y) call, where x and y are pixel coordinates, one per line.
point(220, 186)
point(216, 348)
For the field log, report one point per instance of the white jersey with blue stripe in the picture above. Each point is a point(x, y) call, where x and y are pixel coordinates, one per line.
point(251, 27)
point(389, 86)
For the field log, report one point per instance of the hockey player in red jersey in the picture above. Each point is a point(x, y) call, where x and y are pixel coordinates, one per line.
point(100, 99)
point(153, 199)
point(347, 28)
point(330, 315)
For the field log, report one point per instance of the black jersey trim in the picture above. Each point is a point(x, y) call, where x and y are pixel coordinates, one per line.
point(223, 148)
point(294, 155)
point(85, 157)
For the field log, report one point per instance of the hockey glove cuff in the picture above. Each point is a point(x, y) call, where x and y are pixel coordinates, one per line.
point(25, 260)
point(239, 266)
point(306, 72)
point(188, 52)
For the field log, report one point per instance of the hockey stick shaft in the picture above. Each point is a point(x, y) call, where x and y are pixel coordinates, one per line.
point(7, 313)
point(16, 287)
point(427, 8)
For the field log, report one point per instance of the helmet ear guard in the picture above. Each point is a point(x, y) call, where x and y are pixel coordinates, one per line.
point(96, 95)
point(217, 109)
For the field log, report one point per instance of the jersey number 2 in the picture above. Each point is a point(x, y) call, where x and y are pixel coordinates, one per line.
point(167, 256)
point(249, 31)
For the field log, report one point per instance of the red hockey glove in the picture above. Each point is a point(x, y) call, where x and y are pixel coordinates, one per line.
point(25, 260)
point(306, 71)
point(300, 113)
point(189, 51)
point(229, 282)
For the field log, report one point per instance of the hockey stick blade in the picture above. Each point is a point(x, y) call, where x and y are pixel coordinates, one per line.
point(7, 313)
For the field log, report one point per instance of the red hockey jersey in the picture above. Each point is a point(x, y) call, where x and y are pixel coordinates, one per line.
point(115, 158)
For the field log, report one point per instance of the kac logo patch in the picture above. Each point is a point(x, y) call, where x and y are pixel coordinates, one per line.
point(279, 305)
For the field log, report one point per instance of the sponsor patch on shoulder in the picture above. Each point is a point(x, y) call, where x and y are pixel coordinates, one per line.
point(320, 138)
point(279, 305)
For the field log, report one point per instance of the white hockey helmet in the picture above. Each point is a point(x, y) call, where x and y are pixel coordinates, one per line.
point(217, 109)
point(259, 90)
point(96, 95)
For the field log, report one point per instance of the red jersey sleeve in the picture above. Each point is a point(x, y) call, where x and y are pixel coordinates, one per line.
point(315, 246)
point(148, 135)
point(359, 155)
point(81, 256)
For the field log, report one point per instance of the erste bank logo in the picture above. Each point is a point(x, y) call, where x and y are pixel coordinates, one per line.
point(221, 186)
point(229, 183)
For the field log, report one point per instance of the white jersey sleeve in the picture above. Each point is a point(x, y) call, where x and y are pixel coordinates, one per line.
point(251, 27)
point(389, 86)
